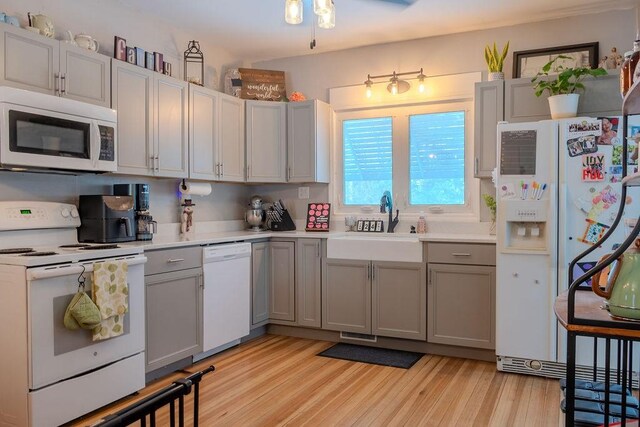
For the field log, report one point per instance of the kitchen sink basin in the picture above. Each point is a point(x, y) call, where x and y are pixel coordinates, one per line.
point(379, 247)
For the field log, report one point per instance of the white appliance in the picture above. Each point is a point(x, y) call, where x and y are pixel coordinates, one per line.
point(49, 132)
point(558, 190)
point(226, 296)
point(51, 375)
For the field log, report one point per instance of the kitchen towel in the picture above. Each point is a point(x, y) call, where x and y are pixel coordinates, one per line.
point(110, 293)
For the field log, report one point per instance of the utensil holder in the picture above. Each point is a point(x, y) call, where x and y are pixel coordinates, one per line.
point(285, 223)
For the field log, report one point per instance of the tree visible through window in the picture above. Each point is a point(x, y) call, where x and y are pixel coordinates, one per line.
point(368, 160)
point(436, 159)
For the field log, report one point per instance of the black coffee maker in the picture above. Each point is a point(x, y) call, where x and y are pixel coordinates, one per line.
point(145, 225)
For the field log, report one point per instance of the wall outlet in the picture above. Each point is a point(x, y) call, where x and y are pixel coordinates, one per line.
point(303, 192)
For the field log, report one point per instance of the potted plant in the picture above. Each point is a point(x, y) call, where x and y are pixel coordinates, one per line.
point(563, 99)
point(495, 61)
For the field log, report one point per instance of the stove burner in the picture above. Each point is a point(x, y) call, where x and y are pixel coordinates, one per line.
point(75, 245)
point(99, 247)
point(40, 253)
point(15, 251)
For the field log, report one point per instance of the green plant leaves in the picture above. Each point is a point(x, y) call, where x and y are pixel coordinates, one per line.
point(567, 81)
point(495, 60)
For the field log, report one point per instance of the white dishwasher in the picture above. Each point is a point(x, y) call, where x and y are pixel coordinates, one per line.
point(226, 299)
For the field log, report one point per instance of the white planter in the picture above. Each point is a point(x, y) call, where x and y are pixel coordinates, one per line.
point(564, 106)
point(497, 75)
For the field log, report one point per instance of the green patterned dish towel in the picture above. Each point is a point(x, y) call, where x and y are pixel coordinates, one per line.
point(110, 293)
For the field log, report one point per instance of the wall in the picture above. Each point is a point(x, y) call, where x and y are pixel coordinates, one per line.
point(313, 75)
point(105, 19)
point(455, 53)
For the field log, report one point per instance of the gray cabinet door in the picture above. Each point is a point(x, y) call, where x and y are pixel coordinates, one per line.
point(170, 126)
point(308, 282)
point(29, 61)
point(489, 110)
point(231, 138)
point(461, 300)
point(86, 75)
point(132, 96)
point(346, 296)
point(259, 283)
point(266, 136)
point(399, 300)
point(282, 305)
point(308, 136)
point(203, 133)
point(600, 98)
point(173, 317)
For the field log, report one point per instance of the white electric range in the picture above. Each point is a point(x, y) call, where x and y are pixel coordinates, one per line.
point(51, 375)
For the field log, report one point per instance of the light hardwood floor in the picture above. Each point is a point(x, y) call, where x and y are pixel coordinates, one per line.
point(277, 380)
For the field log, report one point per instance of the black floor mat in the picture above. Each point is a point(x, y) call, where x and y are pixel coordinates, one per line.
point(377, 356)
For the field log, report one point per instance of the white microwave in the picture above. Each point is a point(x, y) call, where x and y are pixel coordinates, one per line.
point(48, 132)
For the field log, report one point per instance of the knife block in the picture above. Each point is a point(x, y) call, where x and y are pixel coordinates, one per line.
point(285, 224)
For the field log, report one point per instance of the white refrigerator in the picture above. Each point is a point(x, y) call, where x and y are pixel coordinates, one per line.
point(558, 191)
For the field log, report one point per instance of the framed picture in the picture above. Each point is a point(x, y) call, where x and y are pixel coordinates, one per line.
point(527, 63)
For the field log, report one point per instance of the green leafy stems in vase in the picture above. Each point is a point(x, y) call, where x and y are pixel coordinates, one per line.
point(568, 79)
point(495, 61)
point(490, 201)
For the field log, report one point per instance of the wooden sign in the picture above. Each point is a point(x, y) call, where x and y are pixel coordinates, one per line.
point(263, 85)
point(318, 216)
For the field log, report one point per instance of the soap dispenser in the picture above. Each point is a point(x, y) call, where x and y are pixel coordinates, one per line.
point(422, 224)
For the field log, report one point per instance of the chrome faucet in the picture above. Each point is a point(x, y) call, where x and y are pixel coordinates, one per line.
point(387, 202)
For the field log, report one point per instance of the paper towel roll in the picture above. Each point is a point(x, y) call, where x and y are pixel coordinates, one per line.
point(196, 188)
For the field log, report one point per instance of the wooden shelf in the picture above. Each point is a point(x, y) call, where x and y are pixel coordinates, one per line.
point(631, 102)
point(590, 306)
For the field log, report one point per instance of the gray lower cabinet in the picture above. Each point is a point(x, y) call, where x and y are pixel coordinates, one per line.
point(173, 305)
point(461, 305)
point(309, 282)
point(282, 303)
point(259, 284)
point(380, 298)
point(346, 296)
point(399, 300)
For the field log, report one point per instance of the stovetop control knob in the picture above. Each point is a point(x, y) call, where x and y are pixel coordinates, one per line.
point(74, 213)
point(65, 213)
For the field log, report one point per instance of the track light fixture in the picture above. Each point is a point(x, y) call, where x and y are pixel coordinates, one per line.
point(324, 9)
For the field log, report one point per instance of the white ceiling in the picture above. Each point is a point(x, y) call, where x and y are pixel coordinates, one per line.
point(255, 29)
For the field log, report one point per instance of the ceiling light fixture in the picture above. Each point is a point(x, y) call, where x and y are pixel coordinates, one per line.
point(293, 11)
point(322, 7)
point(396, 85)
point(328, 20)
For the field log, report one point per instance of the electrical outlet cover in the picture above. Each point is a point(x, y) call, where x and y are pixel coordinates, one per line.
point(303, 192)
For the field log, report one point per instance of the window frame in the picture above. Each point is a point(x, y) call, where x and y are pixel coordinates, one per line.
point(401, 159)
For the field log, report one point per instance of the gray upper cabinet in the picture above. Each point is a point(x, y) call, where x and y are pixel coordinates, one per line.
point(399, 300)
point(152, 122)
point(282, 306)
point(346, 296)
point(308, 282)
point(489, 110)
point(308, 137)
point(266, 141)
point(34, 62)
point(259, 283)
point(600, 98)
point(216, 135)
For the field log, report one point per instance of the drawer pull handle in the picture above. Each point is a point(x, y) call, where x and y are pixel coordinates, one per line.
point(175, 260)
point(460, 254)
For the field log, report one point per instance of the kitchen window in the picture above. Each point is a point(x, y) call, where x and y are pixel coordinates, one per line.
point(419, 153)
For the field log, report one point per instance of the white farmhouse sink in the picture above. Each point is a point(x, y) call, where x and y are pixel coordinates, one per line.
point(379, 247)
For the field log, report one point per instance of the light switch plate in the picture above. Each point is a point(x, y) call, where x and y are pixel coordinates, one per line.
point(303, 192)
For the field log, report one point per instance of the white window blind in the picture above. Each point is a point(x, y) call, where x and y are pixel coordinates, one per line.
point(368, 160)
point(436, 158)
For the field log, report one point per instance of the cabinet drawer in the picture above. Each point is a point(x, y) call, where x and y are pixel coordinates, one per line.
point(461, 253)
point(165, 260)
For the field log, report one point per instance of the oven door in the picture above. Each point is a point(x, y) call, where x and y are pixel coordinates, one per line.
point(32, 137)
point(57, 353)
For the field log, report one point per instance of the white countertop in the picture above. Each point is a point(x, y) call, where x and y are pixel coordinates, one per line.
point(172, 241)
